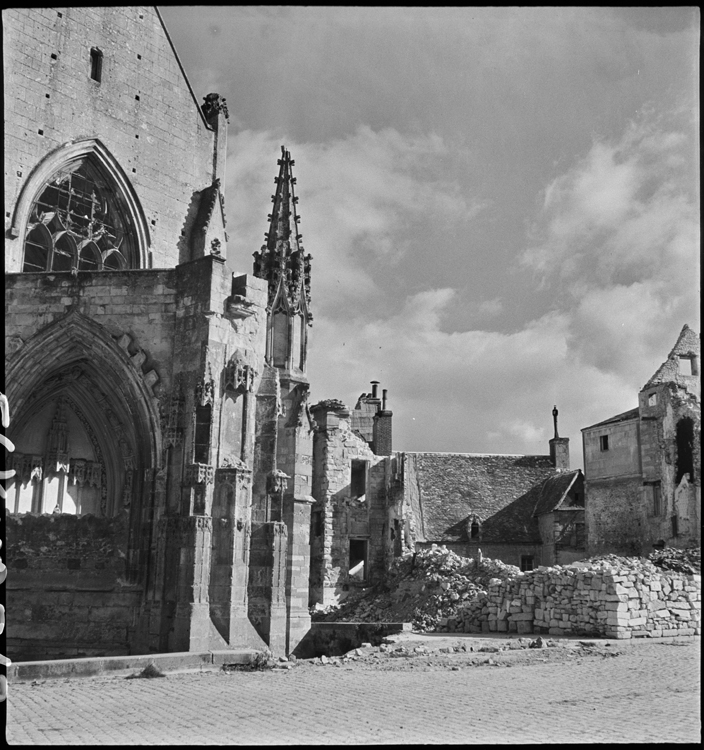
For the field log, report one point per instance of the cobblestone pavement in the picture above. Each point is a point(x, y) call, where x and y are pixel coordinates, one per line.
point(647, 692)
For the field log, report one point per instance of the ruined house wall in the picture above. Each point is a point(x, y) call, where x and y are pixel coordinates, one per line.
point(414, 530)
point(613, 516)
point(143, 111)
point(67, 592)
point(681, 499)
point(335, 514)
point(622, 458)
point(589, 599)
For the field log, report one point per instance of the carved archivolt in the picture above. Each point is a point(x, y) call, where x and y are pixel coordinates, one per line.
point(172, 415)
point(150, 377)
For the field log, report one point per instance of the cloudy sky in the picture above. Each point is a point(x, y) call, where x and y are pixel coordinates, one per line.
point(501, 203)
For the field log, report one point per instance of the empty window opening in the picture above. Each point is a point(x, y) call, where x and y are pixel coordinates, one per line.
point(318, 523)
point(358, 484)
point(358, 559)
point(675, 527)
point(526, 562)
point(685, 449)
point(202, 434)
point(653, 399)
point(474, 530)
point(657, 500)
point(604, 442)
point(96, 64)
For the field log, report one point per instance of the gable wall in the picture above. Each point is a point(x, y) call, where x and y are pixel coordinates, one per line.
point(171, 158)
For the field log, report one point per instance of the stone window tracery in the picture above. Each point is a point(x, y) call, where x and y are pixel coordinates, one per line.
point(77, 222)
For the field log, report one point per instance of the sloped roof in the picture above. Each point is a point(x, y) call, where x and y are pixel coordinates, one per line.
point(625, 416)
point(687, 345)
point(553, 492)
point(518, 521)
point(453, 486)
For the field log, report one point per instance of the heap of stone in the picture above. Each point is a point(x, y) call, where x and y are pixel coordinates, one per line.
point(425, 589)
point(682, 560)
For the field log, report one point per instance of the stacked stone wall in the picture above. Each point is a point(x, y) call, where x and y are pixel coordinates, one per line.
point(588, 600)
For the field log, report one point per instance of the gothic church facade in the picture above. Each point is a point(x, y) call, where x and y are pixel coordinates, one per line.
point(163, 445)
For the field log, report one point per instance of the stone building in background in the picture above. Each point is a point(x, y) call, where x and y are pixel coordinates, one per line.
point(373, 504)
point(643, 467)
point(163, 442)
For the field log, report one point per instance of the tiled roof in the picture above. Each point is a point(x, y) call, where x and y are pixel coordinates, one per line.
point(454, 486)
point(518, 521)
point(630, 414)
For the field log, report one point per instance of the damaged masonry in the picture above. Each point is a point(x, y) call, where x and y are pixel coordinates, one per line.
point(175, 489)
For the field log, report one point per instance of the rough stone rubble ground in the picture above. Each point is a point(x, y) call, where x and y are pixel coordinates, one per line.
point(435, 584)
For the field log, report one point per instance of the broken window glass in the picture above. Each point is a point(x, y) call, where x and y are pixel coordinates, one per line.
point(77, 223)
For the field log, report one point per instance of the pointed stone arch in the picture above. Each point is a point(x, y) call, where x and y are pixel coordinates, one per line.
point(75, 341)
point(102, 160)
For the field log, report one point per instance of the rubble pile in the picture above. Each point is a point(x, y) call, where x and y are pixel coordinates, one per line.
point(425, 589)
point(682, 560)
point(610, 596)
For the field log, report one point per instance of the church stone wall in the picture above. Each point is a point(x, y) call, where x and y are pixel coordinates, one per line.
point(142, 110)
point(139, 303)
point(67, 589)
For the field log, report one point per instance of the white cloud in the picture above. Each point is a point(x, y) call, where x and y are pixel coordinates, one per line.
point(619, 235)
point(617, 238)
point(359, 200)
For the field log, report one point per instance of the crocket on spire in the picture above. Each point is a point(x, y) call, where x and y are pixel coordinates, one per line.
point(282, 260)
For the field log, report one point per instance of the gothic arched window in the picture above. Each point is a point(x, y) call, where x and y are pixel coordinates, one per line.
point(77, 222)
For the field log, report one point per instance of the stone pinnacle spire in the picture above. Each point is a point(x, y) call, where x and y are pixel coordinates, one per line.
point(282, 260)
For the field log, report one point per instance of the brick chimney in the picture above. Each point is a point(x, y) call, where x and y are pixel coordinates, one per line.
point(382, 428)
point(559, 447)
